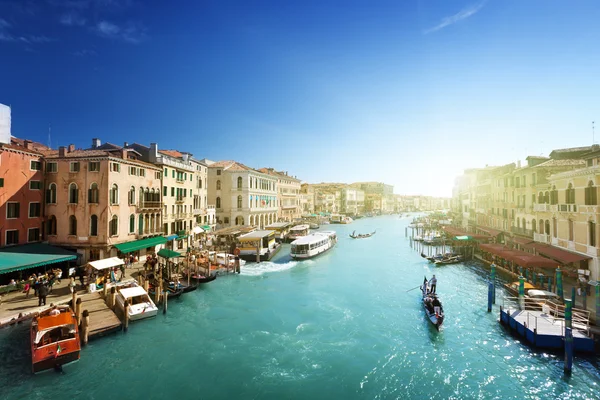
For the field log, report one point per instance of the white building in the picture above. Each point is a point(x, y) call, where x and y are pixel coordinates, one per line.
point(288, 195)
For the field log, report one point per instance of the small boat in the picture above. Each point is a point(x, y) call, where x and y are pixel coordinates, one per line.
point(448, 260)
point(314, 226)
point(433, 306)
point(140, 304)
point(362, 235)
point(313, 244)
point(54, 339)
point(183, 286)
point(203, 279)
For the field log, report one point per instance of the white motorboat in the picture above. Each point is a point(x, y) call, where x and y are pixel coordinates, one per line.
point(140, 304)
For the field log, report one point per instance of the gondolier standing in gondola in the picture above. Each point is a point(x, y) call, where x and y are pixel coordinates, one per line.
point(433, 284)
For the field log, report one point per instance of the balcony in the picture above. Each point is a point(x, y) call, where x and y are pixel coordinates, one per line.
point(179, 180)
point(571, 208)
point(180, 200)
point(149, 205)
point(199, 211)
point(589, 209)
point(522, 231)
point(542, 238)
point(593, 251)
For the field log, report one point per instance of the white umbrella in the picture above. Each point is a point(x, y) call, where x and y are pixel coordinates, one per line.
point(197, 229)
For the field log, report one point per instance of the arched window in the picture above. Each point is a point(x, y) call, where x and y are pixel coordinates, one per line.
point(547, 227)
point(93, 194)
point(524, 224)
point(570, 230)
point(570, 194)
point(94, 225)
point(52, 225)
point(541, 198)
point(73, 193)
point(218, 185)
point(218, 202)
point(114, 194)
point(250, 179)
point(533, 226)
point(141, 195)
point(113, 229)
point(553, 196)
point(554, 227)
point(131, 196)
point(200, 183)
point(72, 225)
point(239, 220)
point(591, 194)
point(239, 182)
point(542, 227)
point(131, 223)
point(51, 194)
point(239, 202)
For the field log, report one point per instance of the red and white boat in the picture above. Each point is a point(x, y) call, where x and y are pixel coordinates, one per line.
point(54, 339)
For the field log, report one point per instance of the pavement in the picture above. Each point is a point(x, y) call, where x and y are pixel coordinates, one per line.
point(14, 303)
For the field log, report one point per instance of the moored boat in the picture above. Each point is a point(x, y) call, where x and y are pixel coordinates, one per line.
point(140, 304)
point(54, 339)
point(433, 306)
point(202, 278)
point(258, 246)
point(313, 244)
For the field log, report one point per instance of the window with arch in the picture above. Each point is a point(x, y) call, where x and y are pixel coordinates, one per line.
point(114, 194)
point(131, 195)
point(524, 223)
point(239, 182)
point(239, 220)
point(592, 233)
point(591, 194)
point(542, 227)
point(94, 225)
point(218, 205)
point(250, 182)
point(533, 226)
point(131, 223)
point(72, 225)
point(570, 194)
point(73, 193)
point(219, 185)
point(93, 194)
point(239, 202)
point(51, 194)
point(52, 225)
point(554, 227)
point(571, 230)
point(113, 229)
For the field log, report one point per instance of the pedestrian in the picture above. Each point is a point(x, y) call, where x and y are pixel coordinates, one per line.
point(122, 273)
point(432, 284)
point(51, 283)
point(72, 284)
point(42, 293)
point(58, 275)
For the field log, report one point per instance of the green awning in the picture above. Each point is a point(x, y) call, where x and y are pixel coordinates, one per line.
point(182, 237)
point(206, 227)
point(32, 255)
point(140, 244)
point(166, 253)
point(463, 238)
point(181, 233)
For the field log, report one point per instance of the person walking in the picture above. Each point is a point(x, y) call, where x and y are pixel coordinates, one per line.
point(71, 284)
point(42, 293)
point(432, 284)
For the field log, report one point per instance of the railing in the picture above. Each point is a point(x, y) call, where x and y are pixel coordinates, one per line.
point(210, 207)
point(522, 231)
point(149, 204)
point(567, 207)
point(541, 237)
point(180, 200)
point(179, 180)
point(196, 211)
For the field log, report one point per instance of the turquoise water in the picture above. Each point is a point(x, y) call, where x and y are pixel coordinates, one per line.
point(341, 326)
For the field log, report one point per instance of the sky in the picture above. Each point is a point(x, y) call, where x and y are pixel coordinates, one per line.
point(409, 93)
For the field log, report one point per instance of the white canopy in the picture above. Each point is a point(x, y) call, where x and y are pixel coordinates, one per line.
point(197, 229)
point(132, 292)
point(106, 263)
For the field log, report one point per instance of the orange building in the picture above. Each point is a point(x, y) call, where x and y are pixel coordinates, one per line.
point(21, 193)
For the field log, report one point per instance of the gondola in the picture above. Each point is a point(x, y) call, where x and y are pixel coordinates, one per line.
point(204, 279)
point(448, 260)
point(437, 319)
point(362, 235)
point(173, 293)
point(185, 287)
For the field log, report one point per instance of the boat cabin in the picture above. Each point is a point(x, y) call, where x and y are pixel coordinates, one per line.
point(54, 338)
point(299, 231)
point(336, 218)
point(227, 237)
point(281, 229)
point(258, 244)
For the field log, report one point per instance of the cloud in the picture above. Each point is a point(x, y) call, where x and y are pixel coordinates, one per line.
point(85, 53)
point(6, 36)
point(72, 19)
point(131, 32)
point(459, 16)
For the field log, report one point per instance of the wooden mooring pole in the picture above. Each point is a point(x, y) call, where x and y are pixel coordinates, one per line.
point(78, 310)
point(126, 315)
point(166, 294)
point(568, 337)
point(112, 298)
point(85, 327)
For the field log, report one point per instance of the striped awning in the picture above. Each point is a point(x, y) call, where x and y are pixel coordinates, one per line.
point(17, 258)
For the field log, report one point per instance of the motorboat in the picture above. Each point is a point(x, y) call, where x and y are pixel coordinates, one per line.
point(298, 231)
point(313, 244)
point(140, 304)
point(54, 339)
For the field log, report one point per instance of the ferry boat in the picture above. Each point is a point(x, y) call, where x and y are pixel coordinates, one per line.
point(313, 244)
point(140, 304)
point(54, 339)
point(258, 243)
point(281, 230)
point(298, 231)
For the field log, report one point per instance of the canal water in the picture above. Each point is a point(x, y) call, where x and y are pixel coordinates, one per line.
point(342, 326)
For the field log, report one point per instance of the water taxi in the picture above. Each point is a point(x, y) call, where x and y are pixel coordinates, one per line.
point(313, 245)
point(298, 231)
point(281, 230)
point(258, 246)
point(54, 339)
point(140, 304)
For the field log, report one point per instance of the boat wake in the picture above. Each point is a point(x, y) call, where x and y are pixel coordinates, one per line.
point(253, 269)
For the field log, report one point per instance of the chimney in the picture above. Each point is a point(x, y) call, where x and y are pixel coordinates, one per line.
point(95, 143)
point(71, 148)
point(125, 144)
point(62, 151)
point(153, 153)
point(28, 144)
point(124, 154)
point(185, 157)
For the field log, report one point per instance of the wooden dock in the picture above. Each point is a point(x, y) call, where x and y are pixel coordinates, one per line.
point(102, 319)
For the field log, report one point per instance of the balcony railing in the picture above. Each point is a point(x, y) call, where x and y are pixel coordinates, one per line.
point(179, 180)
point(144, 205)
point(522, 231)
point(210, 207)
point(567, 207)
point(197, 211)
point(542, 238)
point(179, 200)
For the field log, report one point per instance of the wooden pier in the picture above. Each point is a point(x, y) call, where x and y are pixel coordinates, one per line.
point(102, 319)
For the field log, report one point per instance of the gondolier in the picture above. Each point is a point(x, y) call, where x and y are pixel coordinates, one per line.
point(432, 284)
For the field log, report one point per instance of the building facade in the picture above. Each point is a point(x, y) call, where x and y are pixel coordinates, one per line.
point(242, 195)
point(288, 195)
point(98, 198)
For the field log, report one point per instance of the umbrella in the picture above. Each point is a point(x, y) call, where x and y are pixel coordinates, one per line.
point(197, 229)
